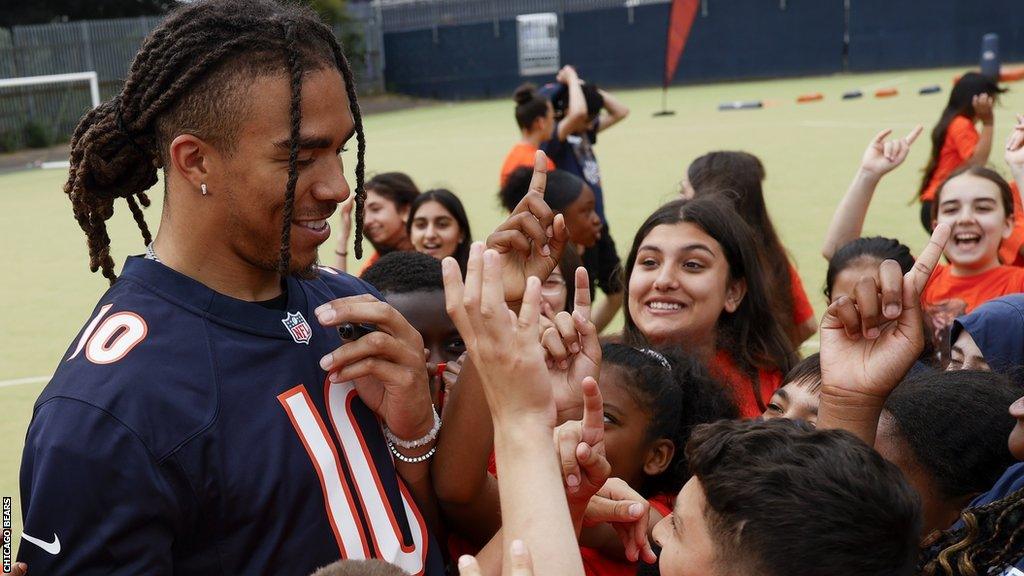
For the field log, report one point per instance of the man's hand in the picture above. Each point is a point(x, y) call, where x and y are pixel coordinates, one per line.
point(531, 240)
point(387, 365)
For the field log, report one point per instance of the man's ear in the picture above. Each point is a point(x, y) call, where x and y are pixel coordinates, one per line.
point(191, 157)
point(734, 294)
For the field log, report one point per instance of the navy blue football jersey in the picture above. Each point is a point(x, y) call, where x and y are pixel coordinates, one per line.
point(187, 432)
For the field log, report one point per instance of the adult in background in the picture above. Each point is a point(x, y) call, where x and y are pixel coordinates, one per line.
point(389, 197)
point(578, 119)
point(206, 419)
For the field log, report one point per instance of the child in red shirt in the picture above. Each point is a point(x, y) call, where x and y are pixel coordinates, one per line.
point(651, 403)
point(738, 176)
point(694, 280)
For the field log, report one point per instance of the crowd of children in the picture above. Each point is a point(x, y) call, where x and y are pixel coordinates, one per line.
point(714, 315)
point(476, 416)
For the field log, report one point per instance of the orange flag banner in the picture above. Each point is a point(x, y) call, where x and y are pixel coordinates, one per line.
point(679, 22)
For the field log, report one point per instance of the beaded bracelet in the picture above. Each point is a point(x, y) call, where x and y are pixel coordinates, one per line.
point(414, 459)
point(412, 444)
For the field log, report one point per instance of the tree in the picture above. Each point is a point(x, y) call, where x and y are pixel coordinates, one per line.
point(332, 11)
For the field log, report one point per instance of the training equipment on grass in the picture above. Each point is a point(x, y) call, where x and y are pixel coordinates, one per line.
point(811, 97)
point(933, 89)
point(1012, 75)
point(741, 105)
point(852, 94)
point(990, 56)
point(886, 93)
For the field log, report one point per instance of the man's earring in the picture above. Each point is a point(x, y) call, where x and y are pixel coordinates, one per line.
point(203, 188)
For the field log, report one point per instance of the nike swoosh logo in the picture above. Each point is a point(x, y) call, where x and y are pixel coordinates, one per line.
point(48, 547)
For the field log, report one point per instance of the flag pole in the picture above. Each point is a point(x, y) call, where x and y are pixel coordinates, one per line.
point(664, 104)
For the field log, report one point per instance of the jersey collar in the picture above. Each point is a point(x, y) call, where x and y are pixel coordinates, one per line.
point(196, 297)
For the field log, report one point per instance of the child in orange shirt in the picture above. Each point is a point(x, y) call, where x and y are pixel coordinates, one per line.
point(977, 204)
point(955, 140)
point(536, 119)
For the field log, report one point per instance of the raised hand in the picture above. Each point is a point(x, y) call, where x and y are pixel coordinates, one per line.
point(1015, 148)
point(983, 104)
point(581, 449)
point(344, 232)
point(870, 340)
point(566, 74)
point(882, 156)
point(504, 347)
point(627, 512)
point(574, 351)
point(531, 240)
point(386, 365)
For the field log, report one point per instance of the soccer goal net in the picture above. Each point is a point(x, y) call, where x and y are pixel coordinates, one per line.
point(37, 111)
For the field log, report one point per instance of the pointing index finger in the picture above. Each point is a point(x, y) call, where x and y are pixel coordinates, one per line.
point(929, 258)
point(540, 173)
point(593, 412)
point(582, 299)
point(914, 134)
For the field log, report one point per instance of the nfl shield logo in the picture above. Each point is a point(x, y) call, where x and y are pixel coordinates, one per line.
point(298, 327)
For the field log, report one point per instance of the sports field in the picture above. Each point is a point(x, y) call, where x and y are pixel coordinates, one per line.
point(809, 150)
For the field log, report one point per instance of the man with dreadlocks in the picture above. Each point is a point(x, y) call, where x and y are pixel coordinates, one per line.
point(207, 419)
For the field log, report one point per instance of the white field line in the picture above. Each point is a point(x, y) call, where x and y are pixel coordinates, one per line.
point(20, 381)
point(853, 124)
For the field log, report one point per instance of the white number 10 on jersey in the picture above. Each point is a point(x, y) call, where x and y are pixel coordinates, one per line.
point(368, 493)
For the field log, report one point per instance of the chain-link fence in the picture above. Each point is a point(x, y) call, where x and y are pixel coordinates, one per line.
point(405, 15)
point(40, 115)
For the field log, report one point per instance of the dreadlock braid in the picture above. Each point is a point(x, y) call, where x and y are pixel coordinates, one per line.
point(991, 539)
point(181, 81)
point(350, 88)
point(295, 68)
